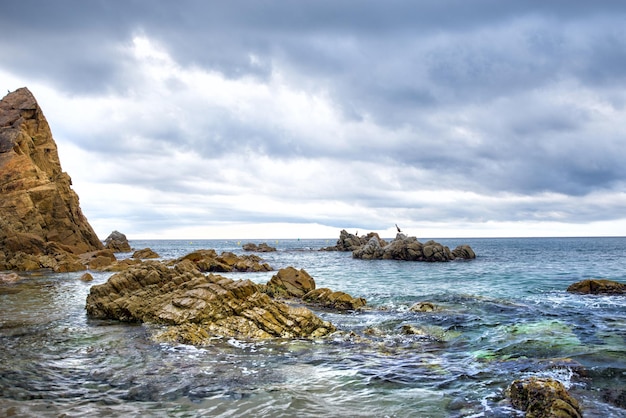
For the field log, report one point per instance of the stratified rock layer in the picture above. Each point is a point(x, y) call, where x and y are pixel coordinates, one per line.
point(40, 211)
point(200, 306)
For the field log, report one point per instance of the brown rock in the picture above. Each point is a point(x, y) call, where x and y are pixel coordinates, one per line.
point(209, 261)
point(216, 305)
point(117, 242)
point(423, 307)
point(352, 242)
point(9, 278)
point(289, 282)
point(336, 300)
point(543, 398)
point(38, 205)
point(598, 287)
point(98, 260)
point(261, 248)
point(145, 254)
point(86, 277)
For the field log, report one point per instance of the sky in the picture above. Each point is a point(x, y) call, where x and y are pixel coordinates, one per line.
point(297, 119)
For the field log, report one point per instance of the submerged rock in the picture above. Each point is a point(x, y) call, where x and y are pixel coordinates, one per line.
point(42, 225)
point(261, 248)
point(543, 398)
point(117, 242)
point(215, 305)
point(598, 287)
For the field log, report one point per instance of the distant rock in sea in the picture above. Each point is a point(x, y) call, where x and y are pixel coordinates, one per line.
point(42, 225)
point(117, 242)
point(372, 247)
point(598, 287)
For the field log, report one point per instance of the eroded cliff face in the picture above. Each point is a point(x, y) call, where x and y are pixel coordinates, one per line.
point(39, 211)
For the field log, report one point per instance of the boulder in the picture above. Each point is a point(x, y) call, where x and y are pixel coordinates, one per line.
point(213, 305)
point(41, 216)
point(340, 301)
point(98, 260)
point(352, 242)
point(543, 398)
point(261, 248)
point(117, 242)
point(290, 282)
point(86, 277)
point(9, 278)
point(145, 253)
point(598, 287)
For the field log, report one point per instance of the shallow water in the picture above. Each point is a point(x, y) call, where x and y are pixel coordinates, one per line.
point(501, 317)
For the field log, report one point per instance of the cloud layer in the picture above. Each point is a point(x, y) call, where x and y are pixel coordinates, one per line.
point(281, 119)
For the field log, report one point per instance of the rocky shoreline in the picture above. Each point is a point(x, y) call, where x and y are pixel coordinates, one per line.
point(42, 227)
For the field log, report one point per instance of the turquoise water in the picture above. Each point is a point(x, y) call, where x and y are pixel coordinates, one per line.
point(500, 317)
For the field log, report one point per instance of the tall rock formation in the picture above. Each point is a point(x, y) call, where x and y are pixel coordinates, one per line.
point(39, 211)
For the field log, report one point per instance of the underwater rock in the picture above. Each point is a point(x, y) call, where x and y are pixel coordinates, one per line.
point(182, 295)
point(261, 248)
point(543, 398)
point(117, 242)
point(598, 287)
point(145, 253)
point(209, 261)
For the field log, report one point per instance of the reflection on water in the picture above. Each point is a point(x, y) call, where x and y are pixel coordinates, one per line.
point(499, 318)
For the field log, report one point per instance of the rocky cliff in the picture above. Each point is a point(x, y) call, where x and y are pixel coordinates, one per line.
point(40, 213)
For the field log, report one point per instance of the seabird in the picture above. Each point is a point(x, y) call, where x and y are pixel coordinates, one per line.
point(398, 228)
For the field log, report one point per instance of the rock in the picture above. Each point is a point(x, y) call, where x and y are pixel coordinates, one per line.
point(86, 277)
point(598, 287)
point(200, 306)
point(410, 249)
point(340, 301)
point(98, 260)
point(117, 242)
point(9, 278)
point(209, 261)
point(352, 242)
point(261, 248)
point(41, 216)
point(543, 398)
point(145, 253)
point(408, 329)
point(290, 282)
point(423, 307)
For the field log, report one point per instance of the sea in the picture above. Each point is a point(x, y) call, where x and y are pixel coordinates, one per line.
point(503, 316)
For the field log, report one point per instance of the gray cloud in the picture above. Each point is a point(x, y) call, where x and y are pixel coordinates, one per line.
point(494, 98)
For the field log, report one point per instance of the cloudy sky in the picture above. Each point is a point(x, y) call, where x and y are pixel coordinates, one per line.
point(287, 119)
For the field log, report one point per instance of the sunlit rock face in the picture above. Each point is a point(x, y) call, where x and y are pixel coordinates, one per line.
point(41, 215)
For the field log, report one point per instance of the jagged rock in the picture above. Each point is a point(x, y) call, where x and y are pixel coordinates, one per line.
point(351, 242)
point(423, 307)
point(261, 248)
point(145, 253)
point(598, 287)
point(41, 216)
point(543, 398)
point(340, 301)
point(410, 249)
point(290, 282)
point(209, 261)
point(117, 242)
point(182, 295)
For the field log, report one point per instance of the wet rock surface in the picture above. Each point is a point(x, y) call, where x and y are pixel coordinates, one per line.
point(543, 398)
point(598, 287)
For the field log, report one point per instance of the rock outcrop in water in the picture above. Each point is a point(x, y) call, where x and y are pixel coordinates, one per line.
point(543, 398)
point(598, 287)
point(261, 248)
point(42, 225)
point(372, 247)
point(117, 242)
point(209, 261)
point(199, 306)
